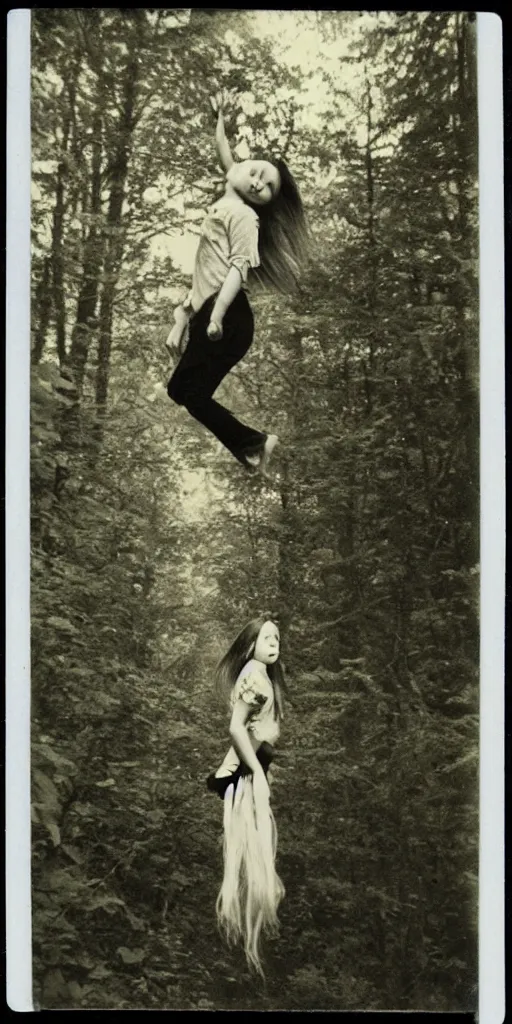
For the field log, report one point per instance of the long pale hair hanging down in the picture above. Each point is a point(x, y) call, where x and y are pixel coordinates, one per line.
point(251, 678)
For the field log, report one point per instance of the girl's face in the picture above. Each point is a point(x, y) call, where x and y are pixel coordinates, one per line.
point(255, 180)
point(266, 648)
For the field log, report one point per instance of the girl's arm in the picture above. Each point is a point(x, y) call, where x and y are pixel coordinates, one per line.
point(223, 148)
point(218, 103)
point(226, 296)
point(241, 738)
point(243, 242)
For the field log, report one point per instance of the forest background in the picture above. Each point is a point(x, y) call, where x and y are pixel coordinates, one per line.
point(150, 547)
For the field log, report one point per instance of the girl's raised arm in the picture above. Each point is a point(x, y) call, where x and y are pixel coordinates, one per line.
point(218, 103)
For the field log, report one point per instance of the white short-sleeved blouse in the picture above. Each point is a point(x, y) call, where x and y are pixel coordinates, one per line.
point(229, 238)
point(257, 691)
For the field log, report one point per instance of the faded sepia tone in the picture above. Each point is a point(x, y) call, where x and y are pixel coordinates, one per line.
point(151, 546)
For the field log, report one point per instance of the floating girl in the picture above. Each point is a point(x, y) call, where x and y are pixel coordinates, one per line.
point(254, 234)
point(251, 680)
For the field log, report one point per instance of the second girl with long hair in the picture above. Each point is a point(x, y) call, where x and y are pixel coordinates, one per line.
point(251, 682)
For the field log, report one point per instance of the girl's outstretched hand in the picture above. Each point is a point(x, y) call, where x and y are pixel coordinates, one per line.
point(214, 330)
point(221, 101)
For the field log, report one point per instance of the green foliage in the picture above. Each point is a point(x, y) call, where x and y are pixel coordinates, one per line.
point(150, 548)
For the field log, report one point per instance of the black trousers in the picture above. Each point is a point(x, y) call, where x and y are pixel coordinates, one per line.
point(203, 366)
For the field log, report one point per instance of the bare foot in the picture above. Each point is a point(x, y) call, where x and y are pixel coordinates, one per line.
point(266, 454)
point(258, 463)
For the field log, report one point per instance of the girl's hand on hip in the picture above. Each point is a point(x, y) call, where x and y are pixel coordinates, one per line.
point(214, 330)
point(260, 786)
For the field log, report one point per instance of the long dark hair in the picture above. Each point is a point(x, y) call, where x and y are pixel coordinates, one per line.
point(240, 652)
point(283, 235)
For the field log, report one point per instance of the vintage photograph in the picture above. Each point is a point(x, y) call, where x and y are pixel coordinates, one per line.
point(255, 501)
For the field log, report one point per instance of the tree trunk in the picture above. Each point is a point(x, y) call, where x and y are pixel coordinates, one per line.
point(43, 309)
point(114, 240)
point(372, 250)
point(287, 573)
point(57, 248)
point(92, 260)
